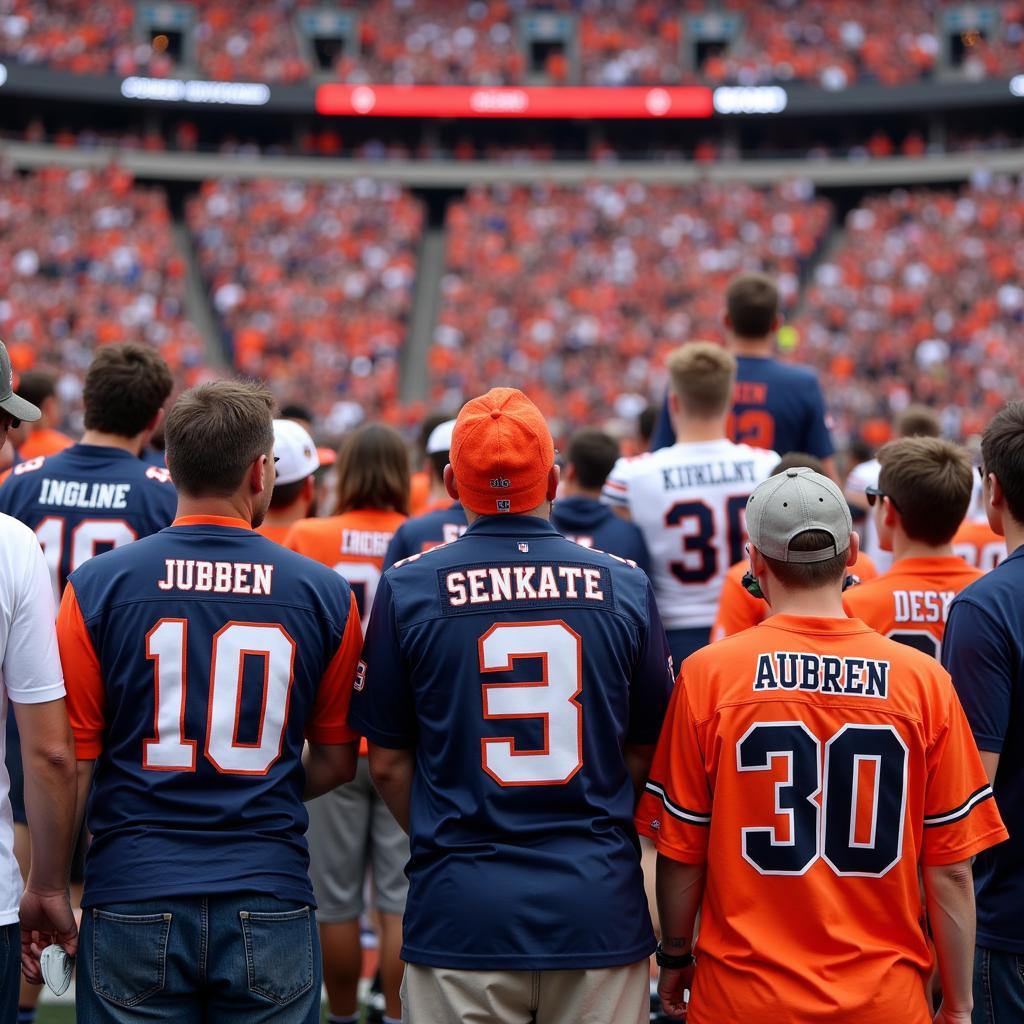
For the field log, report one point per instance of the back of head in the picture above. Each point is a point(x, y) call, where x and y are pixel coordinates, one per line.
point(437, 445)
point(215, 432)
point(592, 454)
point(373, 471)
point(752, 302)
point(929, 481)
point(125, 387)
point(36, 386)
point(702, 375)
point(430, 422)
point(798, 460)
point(1002, 453)
point(918, 421)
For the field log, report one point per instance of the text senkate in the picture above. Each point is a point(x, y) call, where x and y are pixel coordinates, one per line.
point(523, 583)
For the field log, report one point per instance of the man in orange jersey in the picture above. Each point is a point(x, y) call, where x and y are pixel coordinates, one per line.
point(41, 437)
point(808, 768)
point(975, 541)
point(923, 491)
point(738, 608)
point(295, 488)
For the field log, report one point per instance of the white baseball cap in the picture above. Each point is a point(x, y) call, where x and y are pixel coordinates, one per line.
point(295, 452)
point(440, 439)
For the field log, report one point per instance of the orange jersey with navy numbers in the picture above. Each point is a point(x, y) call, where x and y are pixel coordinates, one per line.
point(739, 610)
point(910, 602)
point(979, 545)
point(814, 765)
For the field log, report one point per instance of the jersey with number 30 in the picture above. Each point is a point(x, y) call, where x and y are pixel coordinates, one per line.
point(518, 664)
point(690, 503)
point(85, 500)
point(197, 662)
point(813, 765)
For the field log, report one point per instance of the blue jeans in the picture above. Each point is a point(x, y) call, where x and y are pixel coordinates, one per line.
point(10, 970)
point(998, 987)
point(239, 959)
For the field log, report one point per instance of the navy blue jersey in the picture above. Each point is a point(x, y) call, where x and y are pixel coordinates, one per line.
point(518, 665)
point(586, 521)
point(983, 650)
point(197, 661)
point(775, 405)
point(421, 533)
point(85, 500)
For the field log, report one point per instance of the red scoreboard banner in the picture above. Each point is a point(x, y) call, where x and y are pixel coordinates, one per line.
point(513, 101)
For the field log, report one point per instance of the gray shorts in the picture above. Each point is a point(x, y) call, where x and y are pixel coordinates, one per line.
point(350, 830)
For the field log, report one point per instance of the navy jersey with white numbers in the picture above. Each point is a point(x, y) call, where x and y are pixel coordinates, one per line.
point(198, 660)
point(588, 522)
point(85, 500)
point(421, 533)
point(518, 665)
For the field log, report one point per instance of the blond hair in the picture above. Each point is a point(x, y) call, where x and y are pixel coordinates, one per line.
point(702, 375)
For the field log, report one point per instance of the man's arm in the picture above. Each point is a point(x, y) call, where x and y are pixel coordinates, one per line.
point(638, 762)
point(949, 893)
point(680, 888)
point(990, 762)
point(392, 772)
point(328, 765)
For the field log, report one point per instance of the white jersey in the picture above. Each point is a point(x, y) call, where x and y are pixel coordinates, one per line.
point(861, 477)
point(690, 502)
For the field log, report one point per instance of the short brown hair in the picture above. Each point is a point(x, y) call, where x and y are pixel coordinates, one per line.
point(215, 432)
point(752, 301)
point(36, 386)
point(810, 575)
point(1002, 453)
point(373, 470)
point(125, 387)
point(930, 482)
point(918, 421)
point(702, 376)
point(798, 460)
point(592, 453)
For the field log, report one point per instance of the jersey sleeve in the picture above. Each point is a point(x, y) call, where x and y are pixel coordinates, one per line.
point(664, 436)
point(328, 722)
point(675, 809)
point(818, 437)
point(31, 665)
point(397, 549)
point(960, 814)
point(640, 554)
point(651, 687)
point(615, 492)
point(977, 654)
point(86, 699)
point(737, 610)
point(382, 699)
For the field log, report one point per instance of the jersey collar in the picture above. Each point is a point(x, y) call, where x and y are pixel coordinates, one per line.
point(513, 526)
point(233, 521)
point(816, 625)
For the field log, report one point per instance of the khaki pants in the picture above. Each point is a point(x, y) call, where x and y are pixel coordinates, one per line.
point(606, 995)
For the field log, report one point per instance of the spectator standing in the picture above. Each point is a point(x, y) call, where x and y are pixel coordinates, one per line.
point(39, 387)
point(199, 661)
point(923, 491)
point(775, 405)
point(810, 912)
point(526, 898)
point(688, 499)
point(294, 495)
point(426, 491)
point(975, 540)
point(579, 515)
point(984, 652)
point(30, 679)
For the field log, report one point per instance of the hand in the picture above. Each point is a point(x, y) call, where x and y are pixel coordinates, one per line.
point(46, 918)
point(947, 1016)
point(671, 984)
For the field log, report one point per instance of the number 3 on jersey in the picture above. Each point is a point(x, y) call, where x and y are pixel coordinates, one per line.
point(551, 699)
point(169, 750)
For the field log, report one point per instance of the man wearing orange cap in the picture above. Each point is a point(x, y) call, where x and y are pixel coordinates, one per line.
point(515, 768)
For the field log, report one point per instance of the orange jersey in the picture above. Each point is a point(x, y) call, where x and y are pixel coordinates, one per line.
point(738, 610)
point(275, 533)
point(979, 545)
point(44, 441)
point(909, 603)
point(419, 493)
point(814, 765)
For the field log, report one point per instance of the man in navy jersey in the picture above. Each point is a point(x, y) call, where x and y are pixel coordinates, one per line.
point(983, 650)
point(775, 405)
point(579, 515)
point(444, 520)
point(512, 685)
point(199, 660)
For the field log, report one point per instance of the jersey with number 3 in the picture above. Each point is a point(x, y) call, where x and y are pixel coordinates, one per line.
point(814, 765)
point(85, 500)
point(518, 664)
point(690, 503)
point(198, 660)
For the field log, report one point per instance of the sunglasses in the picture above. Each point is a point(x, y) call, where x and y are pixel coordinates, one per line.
point(873, 494)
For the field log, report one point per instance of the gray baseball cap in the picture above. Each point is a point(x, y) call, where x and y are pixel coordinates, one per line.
point(9, 401)
point(792, 503)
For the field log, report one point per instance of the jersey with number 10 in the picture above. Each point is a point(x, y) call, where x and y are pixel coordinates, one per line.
point(85, 500)
point(197, 661)
point(690, 503)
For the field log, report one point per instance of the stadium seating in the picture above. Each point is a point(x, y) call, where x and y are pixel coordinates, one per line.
point(312, 285)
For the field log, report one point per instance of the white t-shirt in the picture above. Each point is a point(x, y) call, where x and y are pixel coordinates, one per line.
point(860, 478)
point(30, 670)
point(690, 502)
